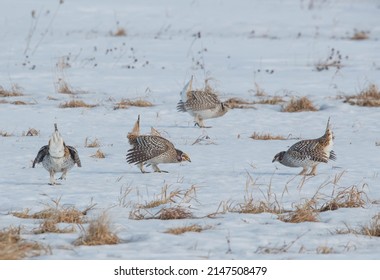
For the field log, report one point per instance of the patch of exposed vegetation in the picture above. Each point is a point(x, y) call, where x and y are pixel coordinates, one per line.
point(126, 103)
point(266, 136)
point(174, 213)
point(305, 212)
point(372, 229)
point(91, 144)
point(302, 104)
point(58, 213)
point(51, 225)
point(5, 134)
point(98, 233)
point(237, 103)
point(19, 102)
point(351, 197)
point(99, 154)
point(76, 104)
point(31, 132)
point(334, 60)
point(13, 247)
point(360, 35)
point(184, 229)
point(176, 198)
point(120, 32)
point(14, 91)
point(274, 100)
point(369, 97)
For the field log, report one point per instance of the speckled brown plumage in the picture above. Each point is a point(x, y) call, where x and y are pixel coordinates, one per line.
point(309, 153)
point(152, 149)
point(201, 104)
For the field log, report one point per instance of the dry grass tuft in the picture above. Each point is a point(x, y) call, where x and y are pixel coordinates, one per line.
point(64, 87)
point(76, 104)
point(350, 197)
point(324, 250)
point(91, 144)
point(31, 132)
point(58, 213)
point(237, 103)
point(258, 91)
point(12, 247)
point(174, 196)
point(126, 103)
point(163, 199)
point(369, 97)
point(360, 35)
point(266, 136)
point(274, 100)
point(373, 228)
point(63, 215)
point(334, 60)
point(177, 197)
point(304, 213)
point(182, 230)
point(251, 205)
point(19, 102)
point(120, 32)
point(174, 213)
point(14, 91)
point(50, 226)
point(5, 134)
point(98, 233)
point(299, 105)
point(256, 207)
point(99, 154)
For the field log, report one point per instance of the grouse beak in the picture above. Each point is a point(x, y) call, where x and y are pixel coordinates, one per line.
point(186, 157)
point(275, 158)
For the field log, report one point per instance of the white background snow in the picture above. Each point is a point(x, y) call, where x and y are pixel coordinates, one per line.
point(274, 44)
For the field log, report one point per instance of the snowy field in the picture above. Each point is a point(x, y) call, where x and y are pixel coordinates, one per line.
point(245, 47)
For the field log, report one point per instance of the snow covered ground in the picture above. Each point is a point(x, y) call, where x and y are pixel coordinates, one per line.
point(239, 44)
